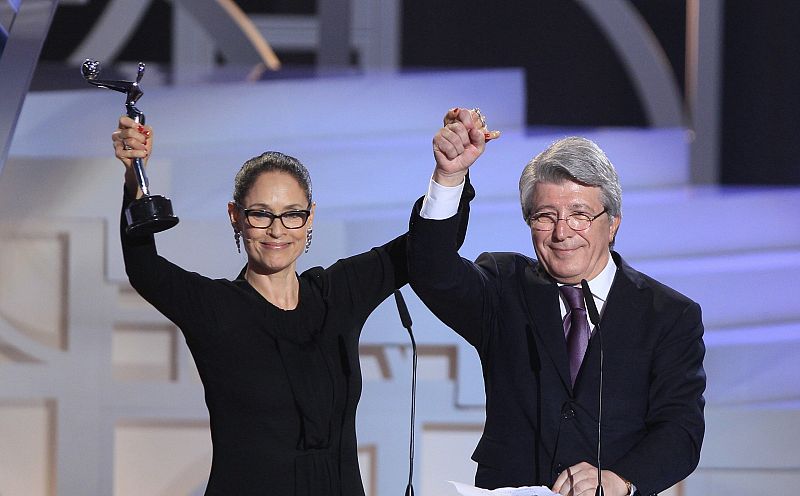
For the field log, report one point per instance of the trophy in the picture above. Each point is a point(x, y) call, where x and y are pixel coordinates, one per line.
point(150, 213)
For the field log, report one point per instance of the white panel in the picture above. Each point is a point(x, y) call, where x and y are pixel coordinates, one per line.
point(433, 368)
point(731, 483)
point(676, 490)
point(160, 460)
point(725, 285)
point(445, 456)
point(750, 438)
point(367, 465)
point(25, 449)
point(766, 367)
point(32, 290)
point(144, 354)
point(370, 368)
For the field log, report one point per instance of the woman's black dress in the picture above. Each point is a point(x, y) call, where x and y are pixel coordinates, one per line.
point(281, 386)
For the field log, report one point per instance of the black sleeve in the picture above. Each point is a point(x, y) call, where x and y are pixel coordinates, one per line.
point(459, 292)
point(369, 278)
point(363, 281)
point(176, 293)
point(675, 424)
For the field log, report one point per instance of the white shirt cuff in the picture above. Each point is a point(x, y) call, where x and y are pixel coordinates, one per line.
point(441, 202)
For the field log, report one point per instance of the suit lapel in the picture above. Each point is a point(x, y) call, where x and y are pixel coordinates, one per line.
point(624, 309)
point(626, 302)
point(541, 301)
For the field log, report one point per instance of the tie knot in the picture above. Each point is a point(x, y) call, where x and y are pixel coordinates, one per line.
point(574, 297)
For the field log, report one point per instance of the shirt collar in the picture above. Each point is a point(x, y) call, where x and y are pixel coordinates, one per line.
point(601, 283)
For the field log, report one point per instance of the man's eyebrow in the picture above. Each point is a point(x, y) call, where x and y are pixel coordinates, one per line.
point(574, 206)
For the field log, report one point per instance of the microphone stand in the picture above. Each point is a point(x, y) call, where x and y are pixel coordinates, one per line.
point(405, 319)
point(594, 316)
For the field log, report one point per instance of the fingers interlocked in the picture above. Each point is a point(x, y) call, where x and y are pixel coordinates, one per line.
point(478, 119)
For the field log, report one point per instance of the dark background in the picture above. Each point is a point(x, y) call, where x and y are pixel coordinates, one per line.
point(573, 75)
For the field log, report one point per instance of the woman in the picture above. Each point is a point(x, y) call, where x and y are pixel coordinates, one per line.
point(277, 352)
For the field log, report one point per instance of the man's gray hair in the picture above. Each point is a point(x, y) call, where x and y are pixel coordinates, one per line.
point(572, 159)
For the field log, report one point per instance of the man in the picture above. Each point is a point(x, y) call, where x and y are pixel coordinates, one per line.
point(540, 356)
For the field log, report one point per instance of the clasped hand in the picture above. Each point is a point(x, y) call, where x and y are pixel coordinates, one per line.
point(459, 143)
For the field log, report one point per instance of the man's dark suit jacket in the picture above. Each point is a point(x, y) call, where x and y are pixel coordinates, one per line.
point(537, 424)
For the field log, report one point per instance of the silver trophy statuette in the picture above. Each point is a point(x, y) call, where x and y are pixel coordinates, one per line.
point(150, 213)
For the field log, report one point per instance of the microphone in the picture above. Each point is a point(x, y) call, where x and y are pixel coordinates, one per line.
point(591, 307)
point(402, 309)
point(594, 317)
point(405, 319)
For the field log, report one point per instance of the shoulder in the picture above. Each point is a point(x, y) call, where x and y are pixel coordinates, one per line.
point(661, 294)
point(502, 263)
point(317, 277)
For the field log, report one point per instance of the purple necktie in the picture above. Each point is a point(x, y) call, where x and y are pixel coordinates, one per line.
point(576, 328)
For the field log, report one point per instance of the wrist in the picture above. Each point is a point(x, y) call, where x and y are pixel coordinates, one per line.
point(449, 179)
point(617, 484)
point(132, 186)
point(628, 486)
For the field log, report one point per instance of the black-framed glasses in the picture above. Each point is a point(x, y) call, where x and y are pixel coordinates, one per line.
point(262, 219)
point(576, 222)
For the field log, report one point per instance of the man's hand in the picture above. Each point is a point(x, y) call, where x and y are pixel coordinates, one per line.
point(581, 480)
point(458, 144)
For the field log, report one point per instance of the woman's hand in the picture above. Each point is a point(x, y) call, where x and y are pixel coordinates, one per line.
point(458, 144)
point(132, 140)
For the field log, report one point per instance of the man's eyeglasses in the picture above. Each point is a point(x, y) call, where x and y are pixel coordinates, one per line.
point(262, 219)
point(576, 222)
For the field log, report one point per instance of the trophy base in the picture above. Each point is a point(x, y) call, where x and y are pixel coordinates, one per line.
point(149, 215)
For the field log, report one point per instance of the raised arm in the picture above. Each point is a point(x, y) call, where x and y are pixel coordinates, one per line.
point(370, 277)
point(457, 291)
point(173, 291)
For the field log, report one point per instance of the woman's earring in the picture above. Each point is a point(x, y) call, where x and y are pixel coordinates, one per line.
point(238, 236)
point(309, 233)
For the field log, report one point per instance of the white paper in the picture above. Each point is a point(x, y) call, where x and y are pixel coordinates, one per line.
point(467, 490)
